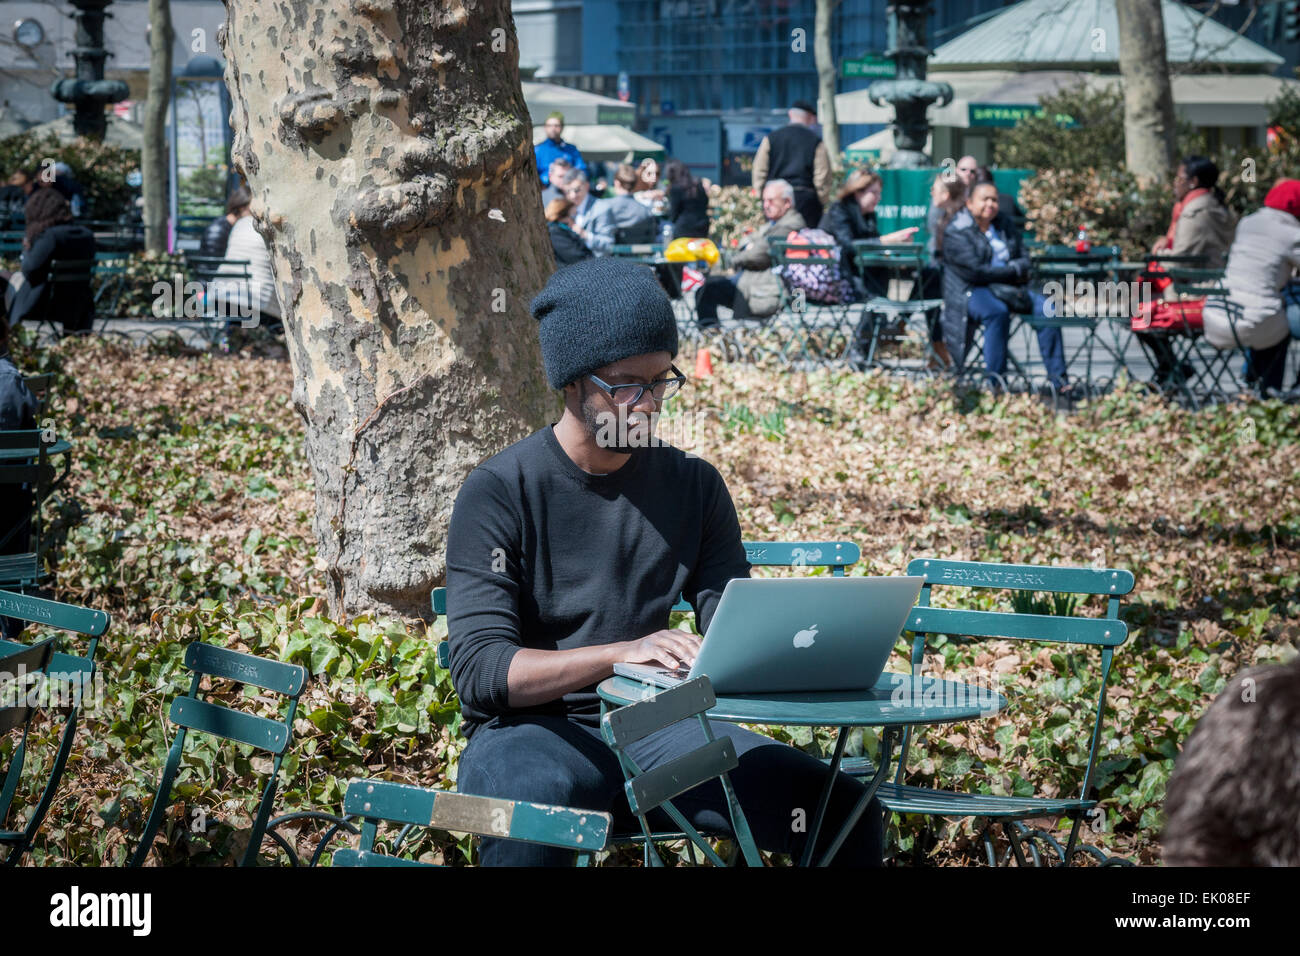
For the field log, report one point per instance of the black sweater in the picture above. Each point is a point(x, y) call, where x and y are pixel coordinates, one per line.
point(541, 554)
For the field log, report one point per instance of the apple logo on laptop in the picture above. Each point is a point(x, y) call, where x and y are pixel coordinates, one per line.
point(805, 637)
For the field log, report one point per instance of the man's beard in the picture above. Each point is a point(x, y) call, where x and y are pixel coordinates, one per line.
point(621, 429)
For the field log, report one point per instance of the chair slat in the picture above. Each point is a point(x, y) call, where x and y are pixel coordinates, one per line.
point(820, 554)
point(351, 857)
point(68, 617)
point(222, 662)
point(386, 800)
point(1023, 577)
point(627, 725)
point(653, 787)
point(1096, 631)
point(212, 718)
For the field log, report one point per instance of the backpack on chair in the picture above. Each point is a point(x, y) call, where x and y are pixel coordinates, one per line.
point(821, 279)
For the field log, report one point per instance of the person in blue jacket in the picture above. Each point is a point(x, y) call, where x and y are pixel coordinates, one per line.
point(554, 146)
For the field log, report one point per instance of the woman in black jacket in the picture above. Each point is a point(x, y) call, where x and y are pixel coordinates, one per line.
point(985, 277)
point(852, 218)
point(52, 235)
point(688, 203)
point(559, 223)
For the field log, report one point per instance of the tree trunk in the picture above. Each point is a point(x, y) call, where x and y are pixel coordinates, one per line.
point(153, 152)
point(389, 154)
point(1149, 130)
point(826, 80)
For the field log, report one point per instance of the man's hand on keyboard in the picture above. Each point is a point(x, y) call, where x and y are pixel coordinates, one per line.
point(671, 648)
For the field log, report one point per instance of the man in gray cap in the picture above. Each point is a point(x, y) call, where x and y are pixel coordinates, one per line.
point(566, 552)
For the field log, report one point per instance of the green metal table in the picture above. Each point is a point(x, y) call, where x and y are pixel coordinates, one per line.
point(895, 703)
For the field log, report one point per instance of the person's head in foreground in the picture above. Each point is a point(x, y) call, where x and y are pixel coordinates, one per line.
point(577, 188)
point(555, 126)
point(966, 167)
point(1234, 796)
point(983, 204)
point(1284, 197)
point(558, 172)
point(608, 336)
point(45, 209)
point(625, 179)
point(1194, 172)
point(240, 202)
point(865, 188)
point(778, 199)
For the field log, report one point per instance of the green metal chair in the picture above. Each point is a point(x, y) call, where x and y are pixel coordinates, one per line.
point(817, 334)
point(1083, 269)
point(1104, 633)
point(654, 789)
point(71, 673)
point(380, 801)
point(192, 713)
point(884, 318)
point(30, 479)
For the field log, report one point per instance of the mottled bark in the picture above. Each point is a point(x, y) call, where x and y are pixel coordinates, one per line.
point(388, 151)
point(153, 154)
point(826, 80)
point(1149, 132)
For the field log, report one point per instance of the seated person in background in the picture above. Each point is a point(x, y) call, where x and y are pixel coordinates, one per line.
point(51, 235)
point(756, 291)
point(558, 172)
point(217, 234)
point(647, 190)
point(947, 199)
point(688, 203)
point(559, 223)
point(852, 217)
point(1261, 261)
point(257, 297)
point(621, 216)
point(985, 276)
point(564, 555)
point(1201, 224)
point(1232, 798)
point(1008, 209)
point(596, 231)
point(13, 195)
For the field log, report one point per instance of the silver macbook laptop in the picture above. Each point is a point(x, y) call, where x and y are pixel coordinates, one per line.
point(771, 635)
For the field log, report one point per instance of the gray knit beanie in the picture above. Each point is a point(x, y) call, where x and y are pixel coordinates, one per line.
point(599, 311)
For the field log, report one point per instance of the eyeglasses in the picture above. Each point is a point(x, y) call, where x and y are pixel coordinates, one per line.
point(660, 388)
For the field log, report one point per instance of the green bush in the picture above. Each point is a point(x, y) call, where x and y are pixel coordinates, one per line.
point(732, 209)
point(101, 169)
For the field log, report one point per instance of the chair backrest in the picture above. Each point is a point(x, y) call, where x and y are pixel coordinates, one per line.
point(638, 249)
point(192, 713)
point(654, 789)
point(1193, 281)
point(1023, 580)
point(26, 481)
point(836, 555)
point(68, 675)
point(382, 801)
point(39, 386)
point(207, 268)
point(16, 667)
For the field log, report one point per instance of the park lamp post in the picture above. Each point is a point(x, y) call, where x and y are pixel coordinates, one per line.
point(88, 91)
point(910, 93)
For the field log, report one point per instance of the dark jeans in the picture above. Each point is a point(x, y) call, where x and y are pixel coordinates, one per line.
point(551, 759)
point(716, 291)
point(984, 308)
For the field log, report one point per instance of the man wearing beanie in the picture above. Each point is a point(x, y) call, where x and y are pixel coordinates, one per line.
point(566, 552)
